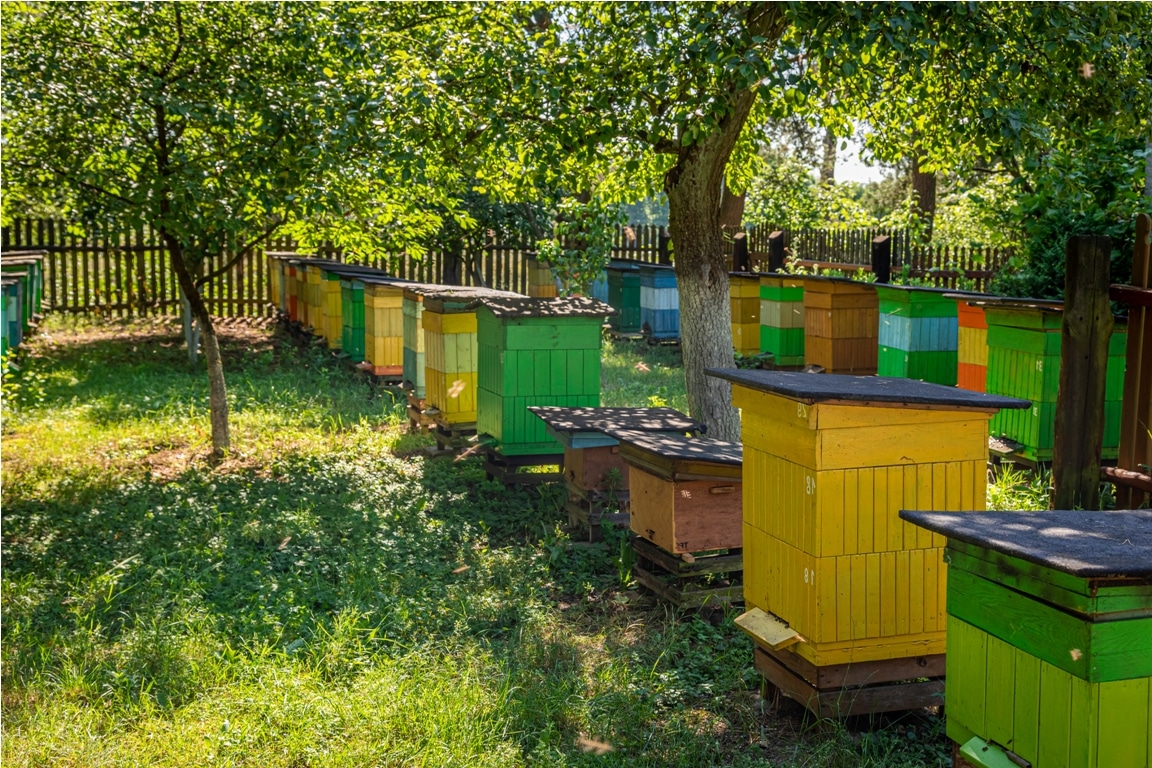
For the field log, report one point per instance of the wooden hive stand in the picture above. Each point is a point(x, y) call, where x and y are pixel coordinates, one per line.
point(533, 352)
point(594, 473)
point(685, 506)
point(829, 461)
point(1049, 636)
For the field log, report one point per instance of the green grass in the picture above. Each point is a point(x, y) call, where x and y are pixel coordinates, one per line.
point(329, 597)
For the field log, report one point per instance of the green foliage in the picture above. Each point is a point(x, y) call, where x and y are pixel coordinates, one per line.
point(1019, 489)
point(785, 195)
point(581, 242)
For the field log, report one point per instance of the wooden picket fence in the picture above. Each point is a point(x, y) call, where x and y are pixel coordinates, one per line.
point(129, 275)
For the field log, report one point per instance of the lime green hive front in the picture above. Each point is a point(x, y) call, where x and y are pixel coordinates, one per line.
point(535, 352)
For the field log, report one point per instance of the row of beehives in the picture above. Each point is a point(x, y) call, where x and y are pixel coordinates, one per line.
point(22, 287)
point(1035, 629)
point(974, 341)
point(846, 599)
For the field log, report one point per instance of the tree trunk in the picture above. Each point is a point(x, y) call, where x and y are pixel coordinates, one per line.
point(217, 393)
point(828, 162)
point(694, 187)
point(924, 185)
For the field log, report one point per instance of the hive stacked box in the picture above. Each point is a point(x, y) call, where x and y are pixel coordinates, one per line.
point(282, 279)
point(971, 346)
point(13, 310)
point(1049, 631)
point(744, 300)
point(624, 296)
point(450, 349)
point(1024, 361)
point(26, 269)
point(841, 325)
point(918, 334)
point(659, 301)
point(413, 310)
point(782, 319)
point(534, 352)
point(828, 463)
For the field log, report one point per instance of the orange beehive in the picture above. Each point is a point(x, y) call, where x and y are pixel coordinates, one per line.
point(841, 325)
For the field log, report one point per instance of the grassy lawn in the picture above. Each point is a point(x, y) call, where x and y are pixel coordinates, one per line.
point(329, 597)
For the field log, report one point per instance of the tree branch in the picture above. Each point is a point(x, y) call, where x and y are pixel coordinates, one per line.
point(240, 254)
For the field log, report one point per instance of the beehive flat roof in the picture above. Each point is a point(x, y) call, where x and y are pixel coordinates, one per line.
point(677, 448)
point(948, 293)
point(1010, 302)
point(1089, 544)
point(617, 419)
point(878, 389)
point(574, 306)
point(465, 292)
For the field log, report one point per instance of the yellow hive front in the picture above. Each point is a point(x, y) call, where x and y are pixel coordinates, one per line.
point(333, 313)
point(450, 365)
point(824, 547)
point(744, 300)
point(384, 328)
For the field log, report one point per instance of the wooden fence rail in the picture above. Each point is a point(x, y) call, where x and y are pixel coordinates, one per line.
point(129, 274)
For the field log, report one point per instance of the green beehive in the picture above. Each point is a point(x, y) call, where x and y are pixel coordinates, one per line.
point(28, 267)
point(352, 317)
point(624, 296)
point(919, 333)
point(11, 316)
point(535, 352)
point(782, 318)
point(1049, 650)
point(1024, 361)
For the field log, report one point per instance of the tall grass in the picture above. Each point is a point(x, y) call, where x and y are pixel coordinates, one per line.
point(329, 597)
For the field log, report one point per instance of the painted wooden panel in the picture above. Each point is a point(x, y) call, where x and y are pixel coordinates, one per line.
point(746, 338)
point(744, 302)
point(414, 349)
point(624, 297)
point(352, 315)
point(864, 607)
point(1046, 715)
point(841, 326)
point(541, 280)
point(596, 469)
point(384, 328)
point(686, 516)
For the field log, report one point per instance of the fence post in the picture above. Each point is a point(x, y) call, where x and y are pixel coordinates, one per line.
point(663, 240)
point(1135, 440)
point(1084, 338)
point(740, 253)
point(882, 258)
point(776, 251)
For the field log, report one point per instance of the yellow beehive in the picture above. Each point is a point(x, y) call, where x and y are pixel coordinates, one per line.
point(744, 299)
point(315, 278)
point(384, 326)
point(450, 349)
point(331, 310)
point(541, 280)
point(829, 461)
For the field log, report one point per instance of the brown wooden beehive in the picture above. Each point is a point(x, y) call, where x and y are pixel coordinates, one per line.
point(685, 492)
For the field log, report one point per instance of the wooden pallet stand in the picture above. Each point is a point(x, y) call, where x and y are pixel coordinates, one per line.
point(451, 439)
point(844, 689)
point(509, 470)
point(589, 512)
point(685, 584)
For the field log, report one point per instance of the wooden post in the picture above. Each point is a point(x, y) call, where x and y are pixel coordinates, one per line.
point(740, 253)
point(663, 241)
point(882, 258)
point(1135, 440)
point(776, 251)
point(1083, 365)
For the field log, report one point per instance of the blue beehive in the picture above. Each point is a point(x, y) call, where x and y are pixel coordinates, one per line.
point(659, 301)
